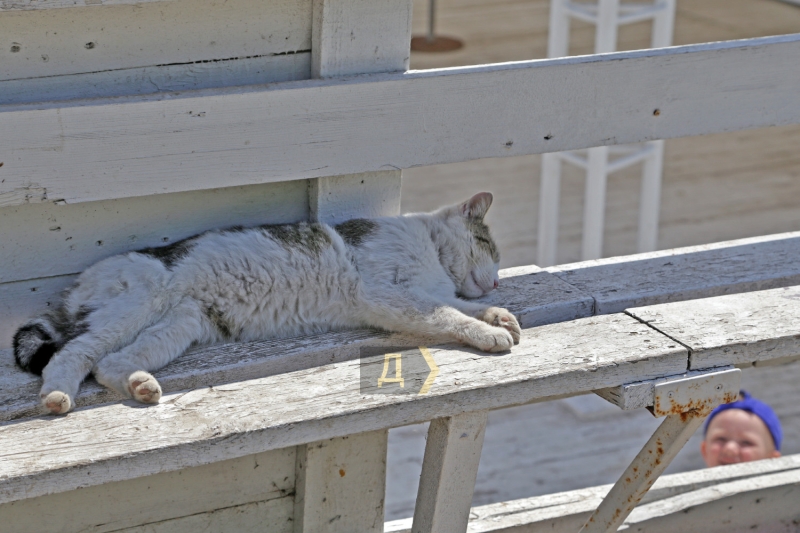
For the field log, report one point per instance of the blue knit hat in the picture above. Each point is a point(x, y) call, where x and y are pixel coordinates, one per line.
point(758, 408)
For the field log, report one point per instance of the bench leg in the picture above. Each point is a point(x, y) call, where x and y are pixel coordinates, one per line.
point(341, 484)
point(449, 470)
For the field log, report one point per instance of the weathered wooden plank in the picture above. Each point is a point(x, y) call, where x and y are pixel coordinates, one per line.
point(761, 503)
point(341, 484)
point(351, 37)
point(48, 43)
point(46, 240)
point(139, 146)
point(262, 482)
point(272, 516)
point(687, 273)
point(23, 195)
point(449, 470)
point(734, 329)
point(535, 297)
point(155, 79)
point(630, 395)
point(335, 199)
point(568, 511)
point(227, 421)
point(29, 5)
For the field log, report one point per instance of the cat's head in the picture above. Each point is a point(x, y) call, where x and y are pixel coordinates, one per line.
point(471, 255)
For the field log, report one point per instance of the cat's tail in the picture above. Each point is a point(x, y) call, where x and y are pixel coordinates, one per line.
point(38, 340)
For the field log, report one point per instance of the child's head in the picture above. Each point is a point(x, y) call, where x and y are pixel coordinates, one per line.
point(745, 430)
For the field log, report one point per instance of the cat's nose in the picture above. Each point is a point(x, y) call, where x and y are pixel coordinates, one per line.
point(496, 283)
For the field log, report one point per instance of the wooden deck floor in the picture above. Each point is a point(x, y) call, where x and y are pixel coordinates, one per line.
point(716, 187)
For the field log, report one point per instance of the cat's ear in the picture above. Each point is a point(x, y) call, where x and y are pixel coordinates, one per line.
point(477, 206)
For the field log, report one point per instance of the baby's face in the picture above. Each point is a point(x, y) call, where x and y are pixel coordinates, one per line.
point(736, 436)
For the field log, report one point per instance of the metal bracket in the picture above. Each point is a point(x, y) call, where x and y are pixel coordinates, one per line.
point(685, 400)
point(691, 391)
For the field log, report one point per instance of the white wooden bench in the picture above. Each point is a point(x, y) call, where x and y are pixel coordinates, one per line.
point(131, 124)
point(299, 421)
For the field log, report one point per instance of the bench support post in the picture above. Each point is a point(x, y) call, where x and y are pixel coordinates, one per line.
point(340, 484)
point(449, 470)
point(685, 401)
point(356, 37)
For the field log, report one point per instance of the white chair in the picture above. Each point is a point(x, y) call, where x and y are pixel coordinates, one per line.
point(607, 16)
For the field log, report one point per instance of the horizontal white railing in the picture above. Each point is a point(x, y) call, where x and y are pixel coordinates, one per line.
point(74, 151)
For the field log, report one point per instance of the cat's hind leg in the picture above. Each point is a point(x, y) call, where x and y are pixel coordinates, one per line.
point(66, 370)
point(111, 303)
point(127, 371)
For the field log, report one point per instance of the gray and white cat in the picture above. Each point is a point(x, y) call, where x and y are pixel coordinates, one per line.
point(135, 312)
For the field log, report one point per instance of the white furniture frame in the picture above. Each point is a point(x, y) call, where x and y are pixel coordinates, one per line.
point(600, 162)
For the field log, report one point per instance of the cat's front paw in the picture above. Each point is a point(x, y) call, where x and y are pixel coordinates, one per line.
point(490, 339)
point(57, 402)
point(144, 387)
point(502, 318)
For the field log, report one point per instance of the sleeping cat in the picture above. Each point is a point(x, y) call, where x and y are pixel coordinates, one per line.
point(135, 312)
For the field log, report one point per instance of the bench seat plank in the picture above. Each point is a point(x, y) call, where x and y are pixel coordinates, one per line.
point(688, 273)
point(123, 440)
point(737, 329)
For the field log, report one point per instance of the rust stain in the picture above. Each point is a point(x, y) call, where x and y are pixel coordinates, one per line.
point(341, 472)
point(668, 406)
point(628, 479)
